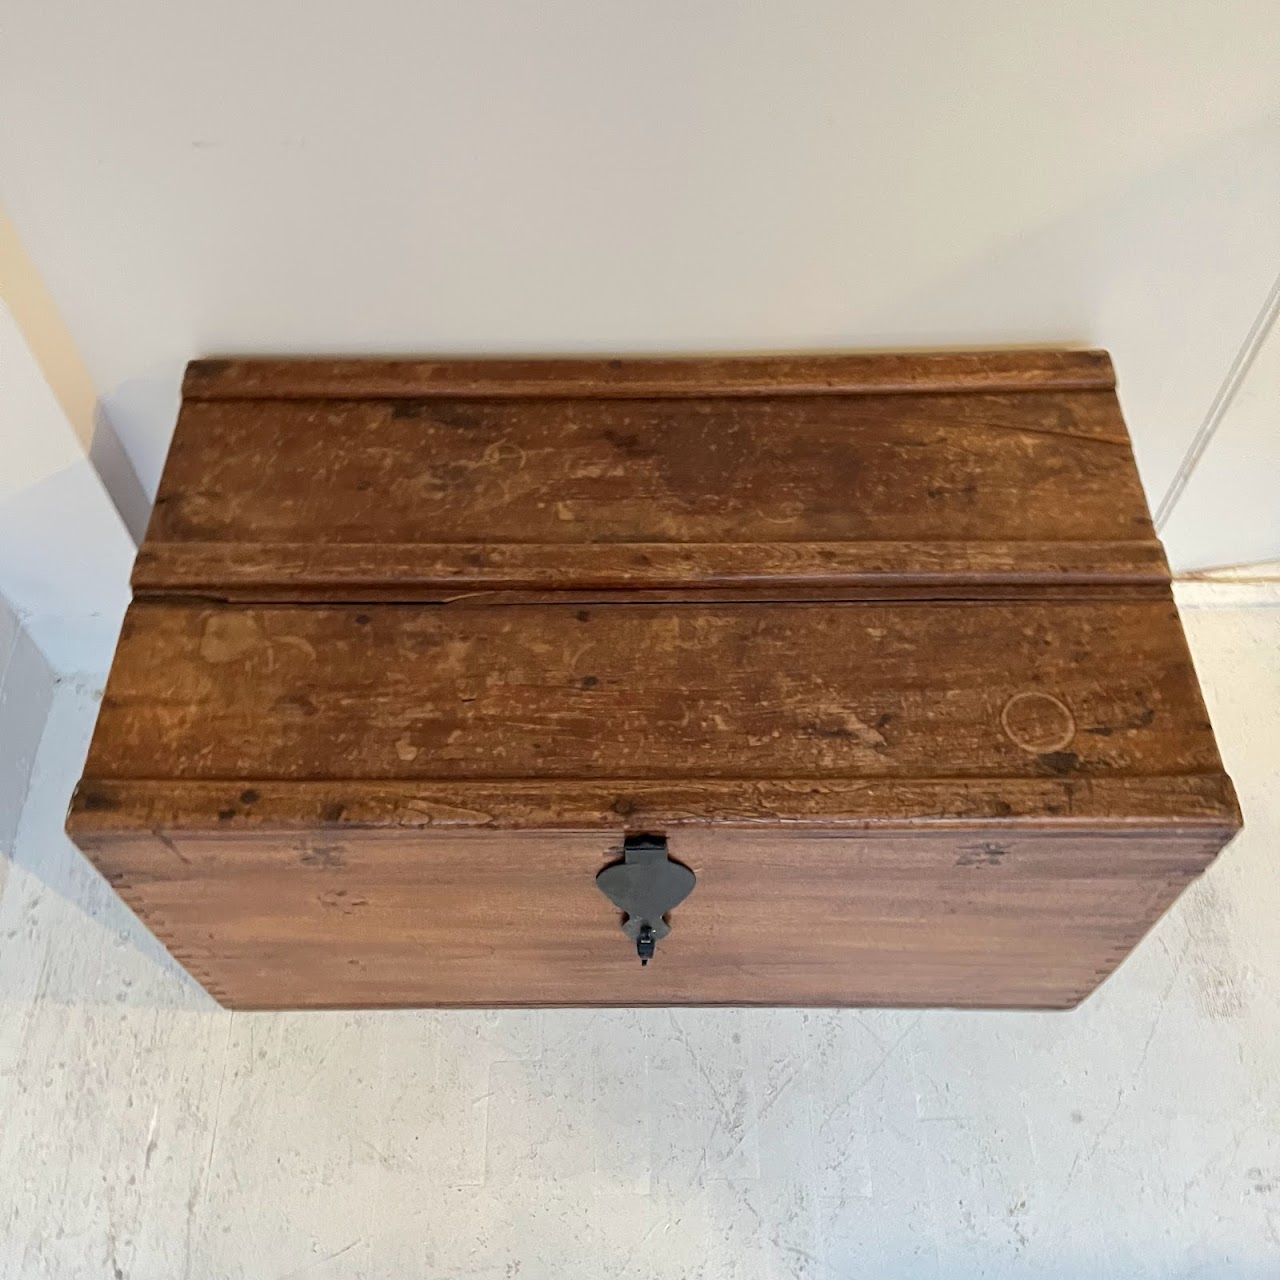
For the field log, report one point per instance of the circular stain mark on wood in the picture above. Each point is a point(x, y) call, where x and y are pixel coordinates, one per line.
point(1038, 722)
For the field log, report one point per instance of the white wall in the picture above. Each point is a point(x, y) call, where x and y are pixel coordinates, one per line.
point(1230, 508)
point(64, 553)
point(64, 564)
point(599, 174)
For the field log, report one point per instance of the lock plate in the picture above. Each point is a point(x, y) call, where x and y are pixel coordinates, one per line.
point(646, 885)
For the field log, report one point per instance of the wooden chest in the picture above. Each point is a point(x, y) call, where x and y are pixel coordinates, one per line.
point(879, 649)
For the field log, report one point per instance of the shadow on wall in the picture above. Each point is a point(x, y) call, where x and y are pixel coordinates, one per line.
point(64, 566)
point(141, 413)
point(26, 691)
point(64, 554)
point(111, 461)
point(61, 890)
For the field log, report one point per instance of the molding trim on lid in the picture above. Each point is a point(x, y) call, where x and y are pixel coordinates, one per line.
point(882, 373)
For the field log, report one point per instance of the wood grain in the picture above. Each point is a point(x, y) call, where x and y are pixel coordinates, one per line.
point(319, 807)
point(385, 918)
point(419, 500)
point(645, 692)
point(1182, 806)
point(428, 573)
point(596, 378)
point(883, 644)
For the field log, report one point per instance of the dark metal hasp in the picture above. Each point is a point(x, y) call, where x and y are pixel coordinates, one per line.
point(646, 885)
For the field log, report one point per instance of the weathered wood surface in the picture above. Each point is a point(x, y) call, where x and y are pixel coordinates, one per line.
point(596, 378)
point(651, 692)
point(883, 644)
point(1180, 804)
point(967, 804)
point(382, 918)
point(424, 498)
point(543, 572)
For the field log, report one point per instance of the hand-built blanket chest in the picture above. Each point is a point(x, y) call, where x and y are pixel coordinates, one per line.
point(816, 681)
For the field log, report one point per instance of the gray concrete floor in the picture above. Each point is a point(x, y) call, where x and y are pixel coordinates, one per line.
point(145, 1133)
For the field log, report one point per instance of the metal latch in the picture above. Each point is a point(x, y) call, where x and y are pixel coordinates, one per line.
point(646, 885)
